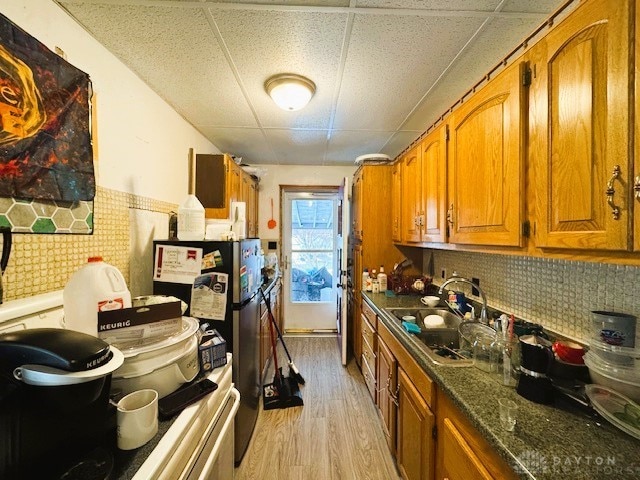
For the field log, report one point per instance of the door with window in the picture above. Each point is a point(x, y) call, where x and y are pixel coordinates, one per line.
point(309, 248)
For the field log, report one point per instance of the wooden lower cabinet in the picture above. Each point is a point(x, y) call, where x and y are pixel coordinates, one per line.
point(462, 453)
point(387, 381)
point(430, 437)
point(416, 446)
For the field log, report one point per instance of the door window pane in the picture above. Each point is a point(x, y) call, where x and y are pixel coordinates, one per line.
point(312, 250)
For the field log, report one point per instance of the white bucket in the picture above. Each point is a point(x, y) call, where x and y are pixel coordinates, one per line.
point(95, 287)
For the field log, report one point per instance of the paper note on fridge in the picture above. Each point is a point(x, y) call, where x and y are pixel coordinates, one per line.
point(177, 264)
point(209, 296)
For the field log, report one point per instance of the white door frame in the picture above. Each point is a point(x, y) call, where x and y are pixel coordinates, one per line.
point(314, 315)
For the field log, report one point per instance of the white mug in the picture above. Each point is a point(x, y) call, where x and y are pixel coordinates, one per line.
point(137, 419)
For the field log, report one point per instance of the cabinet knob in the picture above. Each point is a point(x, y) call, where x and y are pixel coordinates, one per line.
point(636, 187)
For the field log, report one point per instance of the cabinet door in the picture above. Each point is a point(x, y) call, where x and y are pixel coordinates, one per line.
point(415, 432)
point(434, 188)
point(396, 202)
point(411, 195)
point(580, 130)
point(387, 381)
point(485, 163)
point(459, 462)
point(357, 205)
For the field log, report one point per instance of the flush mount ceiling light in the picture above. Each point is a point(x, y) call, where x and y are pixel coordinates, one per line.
point(289, 91)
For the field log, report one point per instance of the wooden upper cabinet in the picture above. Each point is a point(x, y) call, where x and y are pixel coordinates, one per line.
point(411, 191)
point(220, 181)
point(396, 202)
point(356, 202)
point(433, 220)
point(485, 164)
point(636, 175)
point(580, 130)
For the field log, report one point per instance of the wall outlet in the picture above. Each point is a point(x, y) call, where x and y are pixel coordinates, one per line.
point(474, 290)
point(443, 273)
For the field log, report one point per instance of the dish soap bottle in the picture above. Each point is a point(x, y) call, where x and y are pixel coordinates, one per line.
point(191, 223)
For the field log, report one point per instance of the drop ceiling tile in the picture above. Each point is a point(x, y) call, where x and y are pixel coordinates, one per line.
point(302, 147)
point(175, 52)
point(265, 43)
point(392, 61)
point(469, 5)
point(487, 50)
point(399, 142)
point(539, 6)
point(346, 145)
point(248, 143)
point(309, 3)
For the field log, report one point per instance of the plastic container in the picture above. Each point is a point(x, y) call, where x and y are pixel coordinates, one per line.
point(191, 222)
point(613, 328)
point(625, 380)
point(97, 286)
point(382, 279)
point(162, 365)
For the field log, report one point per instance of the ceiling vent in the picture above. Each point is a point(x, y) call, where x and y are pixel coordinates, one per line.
point(373, 159)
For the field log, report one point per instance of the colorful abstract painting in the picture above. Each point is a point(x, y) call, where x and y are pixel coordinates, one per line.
point(45, 137)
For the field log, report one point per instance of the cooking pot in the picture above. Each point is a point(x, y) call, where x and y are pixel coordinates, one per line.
point(535, 364)
point(537, 355)
point(161, 365)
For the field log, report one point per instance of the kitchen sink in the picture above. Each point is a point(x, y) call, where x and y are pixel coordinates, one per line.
point(440, 343)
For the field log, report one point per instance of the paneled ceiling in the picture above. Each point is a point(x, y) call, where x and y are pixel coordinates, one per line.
point(384, 69)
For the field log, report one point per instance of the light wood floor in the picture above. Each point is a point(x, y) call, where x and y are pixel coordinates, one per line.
point(336, 435)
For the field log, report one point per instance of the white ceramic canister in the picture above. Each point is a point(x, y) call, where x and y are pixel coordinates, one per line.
point(97, 286)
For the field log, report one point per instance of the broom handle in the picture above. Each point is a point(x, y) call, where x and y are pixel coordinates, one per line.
point(273, 347)
point(275, 324)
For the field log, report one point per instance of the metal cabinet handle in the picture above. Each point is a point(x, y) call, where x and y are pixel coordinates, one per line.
point(450, 215)
point(615, 211)
point(636, 187)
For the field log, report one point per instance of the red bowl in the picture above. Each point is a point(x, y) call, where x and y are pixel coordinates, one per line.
point(569, 352)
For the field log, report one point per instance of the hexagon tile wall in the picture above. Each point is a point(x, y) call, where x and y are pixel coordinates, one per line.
point(30, 216)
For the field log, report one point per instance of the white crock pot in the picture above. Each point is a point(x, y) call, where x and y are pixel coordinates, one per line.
point(163, 365)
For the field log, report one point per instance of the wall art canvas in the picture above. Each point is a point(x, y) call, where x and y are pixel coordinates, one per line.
point(45, 137)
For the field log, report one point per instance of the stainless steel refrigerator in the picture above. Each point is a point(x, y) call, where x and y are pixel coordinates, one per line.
point(240, 328)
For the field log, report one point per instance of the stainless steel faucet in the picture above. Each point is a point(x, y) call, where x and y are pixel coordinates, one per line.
point(455, 278)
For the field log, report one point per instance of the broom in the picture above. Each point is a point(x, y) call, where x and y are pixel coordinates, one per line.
point(293, 370)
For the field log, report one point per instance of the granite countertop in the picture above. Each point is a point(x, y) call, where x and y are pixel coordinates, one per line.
point(549, 442)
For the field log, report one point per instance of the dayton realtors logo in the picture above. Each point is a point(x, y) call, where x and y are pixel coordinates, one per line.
point(534, 462)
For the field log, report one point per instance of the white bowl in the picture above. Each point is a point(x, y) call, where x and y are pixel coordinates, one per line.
point(430, 300)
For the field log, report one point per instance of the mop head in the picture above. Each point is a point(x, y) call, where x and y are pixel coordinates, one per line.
point(284, 392)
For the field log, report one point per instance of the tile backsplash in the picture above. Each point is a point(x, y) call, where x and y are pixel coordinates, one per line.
point(41, 263)
point(558, 294)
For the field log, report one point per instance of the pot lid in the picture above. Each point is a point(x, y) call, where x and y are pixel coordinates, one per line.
point(45, 376)
point(189, 327)
point(58, 348)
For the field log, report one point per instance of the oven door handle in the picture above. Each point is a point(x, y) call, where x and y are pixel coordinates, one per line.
point(205, 473)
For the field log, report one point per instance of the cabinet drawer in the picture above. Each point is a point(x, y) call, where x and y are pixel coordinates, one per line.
point(369, 377)
point(369, 357)
point(368, 333)
point(368, 312)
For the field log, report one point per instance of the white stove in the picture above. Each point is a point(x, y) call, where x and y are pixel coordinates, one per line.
point(199, 444)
